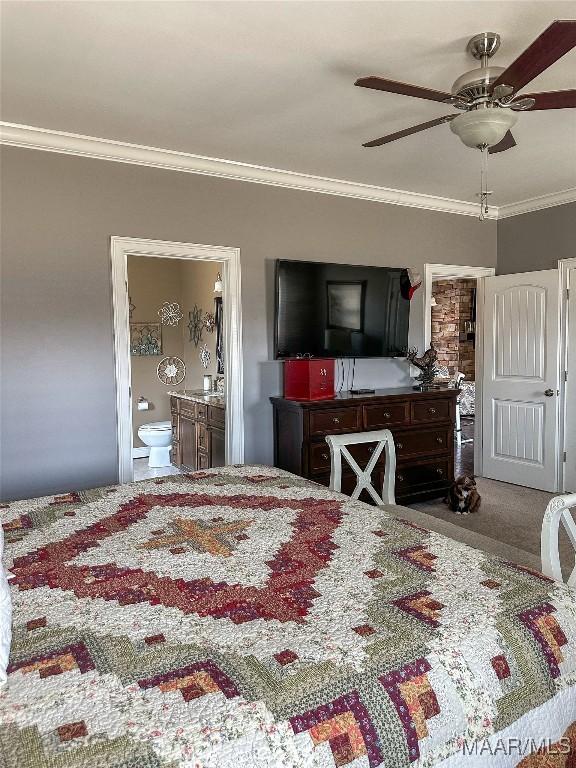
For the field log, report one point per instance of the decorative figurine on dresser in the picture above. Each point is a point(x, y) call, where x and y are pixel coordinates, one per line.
point(422, 423)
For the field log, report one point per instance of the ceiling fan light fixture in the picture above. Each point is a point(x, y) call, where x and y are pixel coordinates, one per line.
point(483, 127)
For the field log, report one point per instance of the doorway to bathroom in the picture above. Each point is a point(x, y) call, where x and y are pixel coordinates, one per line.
point(177, 322)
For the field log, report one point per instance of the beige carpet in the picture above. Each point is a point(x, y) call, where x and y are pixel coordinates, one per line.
point(508, 523)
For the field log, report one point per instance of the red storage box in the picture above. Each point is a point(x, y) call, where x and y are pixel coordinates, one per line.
point(309, 379)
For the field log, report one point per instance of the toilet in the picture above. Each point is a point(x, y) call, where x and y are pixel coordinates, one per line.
point(157, 435)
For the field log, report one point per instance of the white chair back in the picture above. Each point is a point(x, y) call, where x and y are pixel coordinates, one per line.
point(384, 442)
point(557, 511)
point(458, 379)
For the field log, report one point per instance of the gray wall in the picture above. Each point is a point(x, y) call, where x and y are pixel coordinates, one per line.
point(537, 240)
point(58, 397)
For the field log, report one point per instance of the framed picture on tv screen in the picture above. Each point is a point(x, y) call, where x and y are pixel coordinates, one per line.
point(346, 304)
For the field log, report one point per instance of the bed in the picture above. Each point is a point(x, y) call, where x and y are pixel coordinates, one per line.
point(247, 617)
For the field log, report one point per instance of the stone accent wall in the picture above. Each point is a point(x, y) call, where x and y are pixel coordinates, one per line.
point(454, 306)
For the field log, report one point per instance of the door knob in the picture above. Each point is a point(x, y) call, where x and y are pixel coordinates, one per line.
point(549, 392)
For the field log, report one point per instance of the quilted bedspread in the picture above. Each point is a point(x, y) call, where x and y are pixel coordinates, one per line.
point(246, 618)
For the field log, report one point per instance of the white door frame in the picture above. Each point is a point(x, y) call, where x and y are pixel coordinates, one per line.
point(564, 268)
point(454, 272)
point(120, 249)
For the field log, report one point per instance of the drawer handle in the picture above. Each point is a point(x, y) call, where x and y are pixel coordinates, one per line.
point(371, 449)
point(400, 478)
point(439, 440)
point(432, 411)
point(439, 471)
point(325, 456)
point(399, 446)
point(386, 415)
point(336, 420)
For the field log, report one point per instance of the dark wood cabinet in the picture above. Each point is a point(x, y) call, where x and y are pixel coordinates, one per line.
point(187, 441)
point(422, 424)
point(198, 436)
point(217, 447)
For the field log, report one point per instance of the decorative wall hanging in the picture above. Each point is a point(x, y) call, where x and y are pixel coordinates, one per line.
point(218, 314)
point(145, 339)
point(171, 370)
point(131, 306)
point(195, 325)
point(205, 356)
point(170, 313)
point(209, 322)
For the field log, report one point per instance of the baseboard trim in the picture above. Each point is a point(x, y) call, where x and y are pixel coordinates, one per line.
point(140, 453)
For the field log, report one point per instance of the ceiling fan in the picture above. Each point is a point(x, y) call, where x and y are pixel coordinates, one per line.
point(488, 96)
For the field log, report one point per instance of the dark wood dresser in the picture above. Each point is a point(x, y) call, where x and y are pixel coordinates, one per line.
point(422, 424)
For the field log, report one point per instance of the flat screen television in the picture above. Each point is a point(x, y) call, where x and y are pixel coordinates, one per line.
point(339, 310)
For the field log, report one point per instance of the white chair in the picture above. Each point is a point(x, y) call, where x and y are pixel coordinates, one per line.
point(456, 382)
point(557, 511)
point(385, 441)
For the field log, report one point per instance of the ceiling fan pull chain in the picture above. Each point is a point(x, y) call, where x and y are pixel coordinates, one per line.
point(483, 182)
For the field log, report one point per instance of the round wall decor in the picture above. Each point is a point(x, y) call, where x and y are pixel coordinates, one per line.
point(171, 370)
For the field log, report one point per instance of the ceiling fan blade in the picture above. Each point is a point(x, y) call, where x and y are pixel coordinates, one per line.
point(552, 100)
point(552, 44)
point(405, 89)
point(408, 131)
point(506, 143)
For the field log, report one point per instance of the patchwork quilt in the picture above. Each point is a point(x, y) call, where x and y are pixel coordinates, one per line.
point(243, 617)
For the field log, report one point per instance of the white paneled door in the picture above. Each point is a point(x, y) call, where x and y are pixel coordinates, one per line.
point(570, 393)
point(520, 379)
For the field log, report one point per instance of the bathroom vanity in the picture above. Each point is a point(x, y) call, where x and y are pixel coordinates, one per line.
point(198, 429)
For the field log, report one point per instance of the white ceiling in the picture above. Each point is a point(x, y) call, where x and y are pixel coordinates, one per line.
point(271, 83)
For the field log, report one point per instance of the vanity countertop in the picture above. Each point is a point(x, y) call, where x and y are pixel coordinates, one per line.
point(198, 396)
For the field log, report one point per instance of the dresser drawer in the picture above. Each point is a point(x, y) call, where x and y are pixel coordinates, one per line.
point(417, 475)
point(423, 442)
point(320, 456)
point(431, 410)
point(216, 416)
point(382, 416)
point(188, 408)
point(334, 421)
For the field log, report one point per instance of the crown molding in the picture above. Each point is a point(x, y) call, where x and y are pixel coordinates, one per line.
point(29, 137)
point(537, 203)
point(16, 135)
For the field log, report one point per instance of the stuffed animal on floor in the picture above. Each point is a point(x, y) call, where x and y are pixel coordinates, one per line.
point(463, 496)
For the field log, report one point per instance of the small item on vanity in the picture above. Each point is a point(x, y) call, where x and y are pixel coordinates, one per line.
point(463, 496)
point(309, 379)
point(427, 366)
point(363, 391)
point(143, 404)
point(207, 383)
